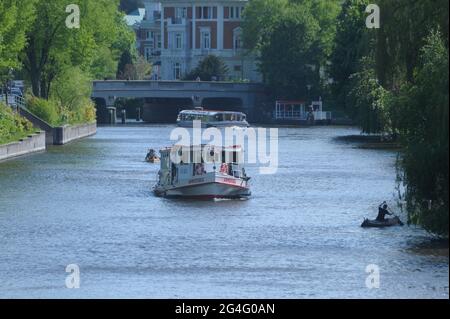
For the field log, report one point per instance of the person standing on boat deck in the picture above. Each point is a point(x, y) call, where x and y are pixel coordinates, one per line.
point(382, 212)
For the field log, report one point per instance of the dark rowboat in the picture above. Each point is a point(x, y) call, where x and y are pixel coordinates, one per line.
point(386, 223)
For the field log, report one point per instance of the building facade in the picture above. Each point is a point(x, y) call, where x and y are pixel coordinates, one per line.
point(146, 23)
point(190, 30)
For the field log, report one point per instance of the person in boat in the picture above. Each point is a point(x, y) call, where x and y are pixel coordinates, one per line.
point(151, 156)
point(382, 212)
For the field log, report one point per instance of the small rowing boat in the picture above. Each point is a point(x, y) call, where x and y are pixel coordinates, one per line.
point(379, 224)
point(152, 157)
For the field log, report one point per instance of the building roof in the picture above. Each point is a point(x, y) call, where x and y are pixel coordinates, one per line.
point(135, 17)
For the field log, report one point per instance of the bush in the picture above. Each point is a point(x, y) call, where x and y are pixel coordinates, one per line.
point(13, 127)
point(46, 110)
point(56, 114)
point(84, 113)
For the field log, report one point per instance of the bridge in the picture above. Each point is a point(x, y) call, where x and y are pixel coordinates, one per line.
point(162, 100)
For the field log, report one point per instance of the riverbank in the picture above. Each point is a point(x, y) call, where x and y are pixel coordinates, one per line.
point(69, 133)
point(13, 127)
point(32, 144)
point(60, 135)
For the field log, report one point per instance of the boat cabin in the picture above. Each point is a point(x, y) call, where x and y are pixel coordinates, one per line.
point(183, 164)
point(212, 118)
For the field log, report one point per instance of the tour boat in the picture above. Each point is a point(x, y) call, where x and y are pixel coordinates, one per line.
point(221, 175)
point(210, 118)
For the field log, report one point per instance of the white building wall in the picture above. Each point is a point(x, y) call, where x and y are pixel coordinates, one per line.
point(189, 58)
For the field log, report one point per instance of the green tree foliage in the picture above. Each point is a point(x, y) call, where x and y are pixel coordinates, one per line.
point(143, 68)
point(400, 86)
point(140, 69)
point(15, 18)
point(294, 40)
point(287, 62)
point(368, 99)
point(421, 114)
point(211, 67)
point(353, 42)
point(52, 46)
point(405, 26)
point(126, 59)
point(71, 92)
point(47, 110)
point(260, 19)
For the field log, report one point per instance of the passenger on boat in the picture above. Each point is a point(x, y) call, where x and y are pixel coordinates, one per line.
point(382, 212)
point(151, 156)
point(199, 170)
point(224, 168)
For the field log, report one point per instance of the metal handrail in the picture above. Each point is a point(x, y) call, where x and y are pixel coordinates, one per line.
point(15, 101)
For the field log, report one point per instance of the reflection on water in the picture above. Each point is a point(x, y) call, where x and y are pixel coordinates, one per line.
point(431, 247)
point(90, 203)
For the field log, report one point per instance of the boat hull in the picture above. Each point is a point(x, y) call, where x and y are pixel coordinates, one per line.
point(378, 224)
point(204, 191)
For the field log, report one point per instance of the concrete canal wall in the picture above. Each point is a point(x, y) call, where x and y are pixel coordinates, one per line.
point(60, 135)
point(66, 134)
point(33, 143)
point(37, 122)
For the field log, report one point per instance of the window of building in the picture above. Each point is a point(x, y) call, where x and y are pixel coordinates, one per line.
point(178, 41)
point(148, 53)
point(206, 39)
point(159, 41)
point(181, 13)
point(205, 13)
point(237, 39)
point(237, 68)
point(236, 12)
point(177, 71)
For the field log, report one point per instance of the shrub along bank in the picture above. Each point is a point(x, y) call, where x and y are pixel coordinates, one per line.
point(13, 127)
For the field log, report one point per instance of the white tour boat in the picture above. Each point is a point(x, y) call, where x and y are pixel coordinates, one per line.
point(221, 175)
point(210, 118)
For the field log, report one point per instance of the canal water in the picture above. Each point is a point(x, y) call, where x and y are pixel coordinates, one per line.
point(299, 236)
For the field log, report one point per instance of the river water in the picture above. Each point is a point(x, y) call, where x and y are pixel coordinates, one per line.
point(299, 236)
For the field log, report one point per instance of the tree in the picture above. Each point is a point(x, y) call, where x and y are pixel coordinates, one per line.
point(405, 27)
point(352, 42)
point(143, 68)
point(294, 40)
point(125, 60)
point(290, 71)
point(211, 67)
point(52, 47)
point(129, 69)
point(260, 18)
point(16, 17)
point(369, 99)
point(421, 111)
point(401, 87)
point(72, 88)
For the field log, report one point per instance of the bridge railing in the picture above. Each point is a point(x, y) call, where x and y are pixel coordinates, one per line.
point(174, 85)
